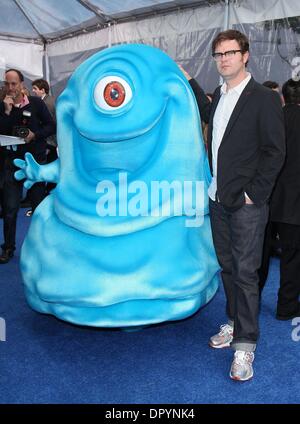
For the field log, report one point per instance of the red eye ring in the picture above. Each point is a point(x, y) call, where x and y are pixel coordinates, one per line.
point(114, 94)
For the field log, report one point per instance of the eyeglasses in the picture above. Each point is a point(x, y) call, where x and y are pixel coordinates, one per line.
point(229, 54)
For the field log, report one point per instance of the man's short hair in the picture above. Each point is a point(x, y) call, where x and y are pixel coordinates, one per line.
point(21, 76)
point(271, 84)
point(232, 34)
point(41, 84)
point(291, 91)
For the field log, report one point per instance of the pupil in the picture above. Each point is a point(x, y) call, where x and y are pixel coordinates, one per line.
point(114, 94)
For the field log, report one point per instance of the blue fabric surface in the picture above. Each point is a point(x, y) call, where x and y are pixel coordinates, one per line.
point(45, 360)
point(122, 270)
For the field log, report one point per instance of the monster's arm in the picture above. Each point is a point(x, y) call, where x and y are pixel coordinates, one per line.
point(33, 172)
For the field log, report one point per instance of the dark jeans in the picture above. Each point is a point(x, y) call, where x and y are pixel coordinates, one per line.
point(238, 239)
point(12, 192)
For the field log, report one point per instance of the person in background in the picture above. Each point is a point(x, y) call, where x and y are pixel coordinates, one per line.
point(41, 89)
point(271, 239)
point(285, 207)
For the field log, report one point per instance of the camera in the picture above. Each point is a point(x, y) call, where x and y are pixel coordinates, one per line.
point(22, 130)
point(19, 131)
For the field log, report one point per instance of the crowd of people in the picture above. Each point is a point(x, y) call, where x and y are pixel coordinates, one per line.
point(253, 145)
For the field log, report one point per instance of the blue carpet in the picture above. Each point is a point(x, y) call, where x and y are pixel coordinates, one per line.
point(44, 360)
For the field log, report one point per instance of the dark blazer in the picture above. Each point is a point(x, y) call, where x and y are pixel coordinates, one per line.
point(285, 204)
point(252, 150)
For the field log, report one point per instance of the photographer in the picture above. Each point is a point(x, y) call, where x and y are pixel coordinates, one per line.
point(28, 118)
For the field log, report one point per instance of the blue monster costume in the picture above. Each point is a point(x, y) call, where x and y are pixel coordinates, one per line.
point(127, 118)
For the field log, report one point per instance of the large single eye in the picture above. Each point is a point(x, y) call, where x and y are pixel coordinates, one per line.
point(112, 92)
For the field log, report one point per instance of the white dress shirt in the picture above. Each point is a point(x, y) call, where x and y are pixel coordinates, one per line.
point(223, 112)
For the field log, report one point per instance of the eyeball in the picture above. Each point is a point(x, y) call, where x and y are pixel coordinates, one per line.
point(112, 92)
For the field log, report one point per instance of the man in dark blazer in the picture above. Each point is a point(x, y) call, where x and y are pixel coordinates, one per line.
point(246, 149)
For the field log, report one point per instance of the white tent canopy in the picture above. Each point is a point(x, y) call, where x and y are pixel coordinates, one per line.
point(48, 20)
point(27, 27)
point(51, 37)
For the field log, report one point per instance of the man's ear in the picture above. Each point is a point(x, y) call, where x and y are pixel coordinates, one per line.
point(246, 57)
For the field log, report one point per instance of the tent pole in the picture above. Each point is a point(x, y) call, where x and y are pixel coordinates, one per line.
point(225, 27)
point(109, 34)
point(226, 15)
point(47, 70)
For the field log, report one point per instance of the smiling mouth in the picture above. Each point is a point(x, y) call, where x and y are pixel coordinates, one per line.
point(121, 137)
point(102, 160)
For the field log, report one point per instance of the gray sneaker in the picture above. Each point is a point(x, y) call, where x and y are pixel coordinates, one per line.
point(223, 338)
point(241, 367)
